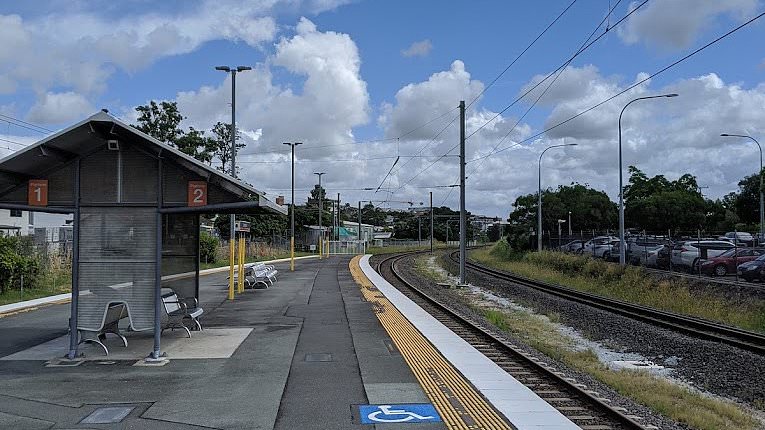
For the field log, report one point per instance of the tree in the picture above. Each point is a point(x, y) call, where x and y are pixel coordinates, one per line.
point(161, 121)
point(221, 149)
point(493, 232)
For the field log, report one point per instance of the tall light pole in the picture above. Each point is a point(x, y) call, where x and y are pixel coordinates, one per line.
point(233, 71)
point(539, 193)
point(622, 242)
point(569, 225)
point(762, 202)
point(321, 232)
point(292, 203)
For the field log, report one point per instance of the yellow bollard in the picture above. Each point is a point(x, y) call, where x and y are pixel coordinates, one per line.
point(241, 264)
point(292, 254)
point(231, 269)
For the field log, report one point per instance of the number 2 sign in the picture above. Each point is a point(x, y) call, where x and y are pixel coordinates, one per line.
point(37, 193)
point(197, 193)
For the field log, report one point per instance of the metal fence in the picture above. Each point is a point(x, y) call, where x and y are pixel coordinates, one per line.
point(346, 247)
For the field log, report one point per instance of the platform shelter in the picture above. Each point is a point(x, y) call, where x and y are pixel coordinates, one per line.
point(136, 203)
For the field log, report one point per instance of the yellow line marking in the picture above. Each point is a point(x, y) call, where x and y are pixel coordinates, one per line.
point(458, 403)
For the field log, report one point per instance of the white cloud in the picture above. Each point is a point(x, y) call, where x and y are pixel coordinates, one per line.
point(677, 23)
point(418, 49)
point(662, 136)
point(57, 108)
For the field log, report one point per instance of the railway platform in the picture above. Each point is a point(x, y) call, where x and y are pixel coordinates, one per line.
point(330, 346)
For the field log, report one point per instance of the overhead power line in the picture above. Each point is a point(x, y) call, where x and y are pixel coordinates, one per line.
point(651, 76)
point(23, 124)
point(539, 36)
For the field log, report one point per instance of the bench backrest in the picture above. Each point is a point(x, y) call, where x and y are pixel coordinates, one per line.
point(170, 301)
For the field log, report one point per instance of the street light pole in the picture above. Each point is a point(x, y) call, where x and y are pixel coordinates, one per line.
point(539, 193)
point(622, 242)
point(321, 232)
point(292, 212)
point(762, 202)
point(569, 225)
point(232, 231)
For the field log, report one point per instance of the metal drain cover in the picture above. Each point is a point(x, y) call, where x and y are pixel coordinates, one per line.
point(108, 415)
point(318, 357)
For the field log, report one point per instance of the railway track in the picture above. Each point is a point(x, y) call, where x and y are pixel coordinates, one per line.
point(696, 327)
point(583, 407)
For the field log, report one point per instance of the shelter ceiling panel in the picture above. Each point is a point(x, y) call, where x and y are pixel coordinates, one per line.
point(139, 177)
point(99, 178)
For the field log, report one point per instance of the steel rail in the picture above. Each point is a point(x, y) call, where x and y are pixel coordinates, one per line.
point(693, 326)
point(598, 404)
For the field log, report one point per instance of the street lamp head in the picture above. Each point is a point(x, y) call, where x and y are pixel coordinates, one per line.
point(223, 68)
point(243, 68)
point(724, 134)
point(670, 95)
point(298, 143)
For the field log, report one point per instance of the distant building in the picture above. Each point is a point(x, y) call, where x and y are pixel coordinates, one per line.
point(482, 223)
point(15, 222)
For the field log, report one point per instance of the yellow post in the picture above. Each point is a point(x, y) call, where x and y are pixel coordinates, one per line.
point(231, 269)
point(292, 254)
point(241, 264)
point(320, 245)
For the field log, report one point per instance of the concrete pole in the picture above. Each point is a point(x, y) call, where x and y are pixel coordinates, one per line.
point(321, 209)
point(359, 224)
point(338, 216)
point(232, 229)
point(431, 222)
point(463, 220)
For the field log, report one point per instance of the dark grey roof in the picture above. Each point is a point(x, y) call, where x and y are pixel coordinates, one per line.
point(78, 140)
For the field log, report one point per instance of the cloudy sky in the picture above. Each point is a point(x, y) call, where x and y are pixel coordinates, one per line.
point(363, 83)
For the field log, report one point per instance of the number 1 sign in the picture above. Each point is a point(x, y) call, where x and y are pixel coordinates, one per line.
point(37, 193)
point(197, 193)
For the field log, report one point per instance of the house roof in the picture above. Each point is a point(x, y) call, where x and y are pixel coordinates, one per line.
point(86, 136)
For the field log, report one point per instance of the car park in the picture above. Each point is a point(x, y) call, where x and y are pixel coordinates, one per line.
point(740, 237)
point(752, 270)
point(728, 261)
point(686, 254)
point(645, 254)
point(572, 246)
point(598, 246)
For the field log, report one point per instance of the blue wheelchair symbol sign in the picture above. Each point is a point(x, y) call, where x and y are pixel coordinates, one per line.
point(411, 413)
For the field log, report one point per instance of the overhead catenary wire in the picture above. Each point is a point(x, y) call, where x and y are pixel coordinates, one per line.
point(24, 124)
point(558, 74)
point(562, 66)
point(636, 84)
point(518, 57)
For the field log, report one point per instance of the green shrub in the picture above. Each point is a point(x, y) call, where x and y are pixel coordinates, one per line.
point(17, 263)
point(208, 246)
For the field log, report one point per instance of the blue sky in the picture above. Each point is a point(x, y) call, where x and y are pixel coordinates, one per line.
point(333, 72)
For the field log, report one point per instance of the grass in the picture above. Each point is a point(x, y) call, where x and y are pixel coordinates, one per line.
point(49, 284)
point(630, 284)
point(674, 401)
point(424, 265)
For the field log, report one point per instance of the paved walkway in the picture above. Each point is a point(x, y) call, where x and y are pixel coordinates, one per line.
point(315, 351)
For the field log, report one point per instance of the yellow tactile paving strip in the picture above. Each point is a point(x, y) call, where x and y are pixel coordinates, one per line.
point(460, 405)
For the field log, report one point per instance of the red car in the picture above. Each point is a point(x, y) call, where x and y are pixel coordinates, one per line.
point(726, 263)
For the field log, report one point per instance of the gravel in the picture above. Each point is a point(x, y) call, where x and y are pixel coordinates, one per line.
point(712, 367)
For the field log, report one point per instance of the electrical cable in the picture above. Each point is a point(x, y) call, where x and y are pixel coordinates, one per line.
point(658, 72)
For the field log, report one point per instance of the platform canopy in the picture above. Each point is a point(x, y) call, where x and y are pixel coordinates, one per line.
point(51, 156)
point(135, 203)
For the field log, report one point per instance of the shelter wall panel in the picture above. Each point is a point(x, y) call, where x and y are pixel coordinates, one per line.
point(61, 186)
point(117, 234)
point(179, 234)
point(216, 195)
point(99, 178)
point(129, 283)
point(179, 274)
point(175, 185)
point(139, 177)
point(18, 196)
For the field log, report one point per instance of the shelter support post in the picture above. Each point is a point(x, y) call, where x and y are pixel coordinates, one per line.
point(73, 334)
point(240, 278)
point(156, 352)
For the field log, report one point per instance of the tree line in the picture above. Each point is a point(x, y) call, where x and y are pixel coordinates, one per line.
point(653, 204)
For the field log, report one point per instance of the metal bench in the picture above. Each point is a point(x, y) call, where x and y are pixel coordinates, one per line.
point(258, 274)
point(178, 311)
point(114, 313)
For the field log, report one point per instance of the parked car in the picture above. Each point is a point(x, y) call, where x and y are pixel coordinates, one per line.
point(752, 270)
point(741, 237)
point(644, 254)
point(663, 257)
point(572, 246)
point(597, 246)
point(686, 254)
point(727, 262)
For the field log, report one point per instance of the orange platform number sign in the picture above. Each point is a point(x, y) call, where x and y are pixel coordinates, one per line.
point(37, 194)
point(197, 194)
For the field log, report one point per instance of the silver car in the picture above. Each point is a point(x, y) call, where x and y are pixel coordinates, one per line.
point(686, 254)
point(598, 246)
